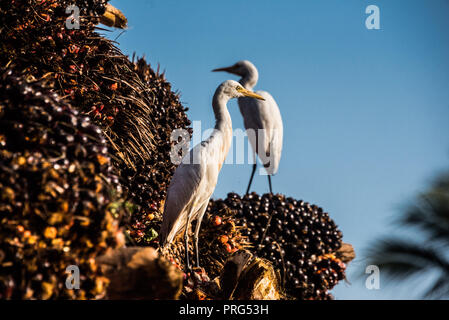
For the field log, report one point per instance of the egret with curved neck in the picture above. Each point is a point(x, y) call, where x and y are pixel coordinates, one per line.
point(195, 178)
point(262, 120)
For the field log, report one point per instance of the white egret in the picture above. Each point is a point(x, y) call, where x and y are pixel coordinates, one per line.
point(195, 178)
point(261, 118)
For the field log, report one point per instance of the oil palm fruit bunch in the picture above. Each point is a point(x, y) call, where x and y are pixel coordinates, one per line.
point(220, 237)
point(132, 104)
point(148, 184)
point(58, 195)
point(301, 240)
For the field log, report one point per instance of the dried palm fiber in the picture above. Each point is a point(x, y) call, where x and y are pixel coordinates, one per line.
point(243, 277)
point(113, 17)
point(132, 104)
point(58, 195)
point(247, 277)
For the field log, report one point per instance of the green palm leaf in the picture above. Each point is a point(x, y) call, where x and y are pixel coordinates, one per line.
point(402, 259)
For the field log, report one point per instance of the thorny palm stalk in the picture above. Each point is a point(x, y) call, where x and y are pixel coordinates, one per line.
point(402, 259)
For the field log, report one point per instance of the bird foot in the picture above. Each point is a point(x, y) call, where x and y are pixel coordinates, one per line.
point(188, 270)
point(200, 275)
point(195, 279)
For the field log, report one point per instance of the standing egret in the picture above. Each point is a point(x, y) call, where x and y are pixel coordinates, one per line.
point(261, 118)
point(195, 178)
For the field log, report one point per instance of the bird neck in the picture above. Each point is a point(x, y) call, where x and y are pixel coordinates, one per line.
point(249, 80)
point(223, 121)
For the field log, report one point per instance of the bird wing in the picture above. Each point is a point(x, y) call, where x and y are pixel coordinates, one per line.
point(264, 114)
point(190, 188)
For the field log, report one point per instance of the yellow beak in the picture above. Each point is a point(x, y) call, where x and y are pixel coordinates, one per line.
point(250, 94)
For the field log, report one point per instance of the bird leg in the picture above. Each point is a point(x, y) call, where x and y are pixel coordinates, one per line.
point(269, 184)
point(186, 240)
point(197, 232)
point(252, 176)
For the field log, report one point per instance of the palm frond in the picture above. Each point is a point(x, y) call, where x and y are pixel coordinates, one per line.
point(435, 228)
point(401, 259)
point(428, 217)
point(439, 289)
point(430, 213)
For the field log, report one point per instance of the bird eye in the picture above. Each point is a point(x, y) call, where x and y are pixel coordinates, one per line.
point(239, 88)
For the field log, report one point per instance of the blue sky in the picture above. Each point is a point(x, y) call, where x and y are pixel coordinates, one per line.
point(365, 111)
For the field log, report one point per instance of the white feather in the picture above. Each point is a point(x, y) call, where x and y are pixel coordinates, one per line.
point(264, 115)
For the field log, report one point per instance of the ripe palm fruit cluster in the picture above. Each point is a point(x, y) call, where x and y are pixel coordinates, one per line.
point(220, 237)
point(301, 240)
point(133, 105)
point(57, 195)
